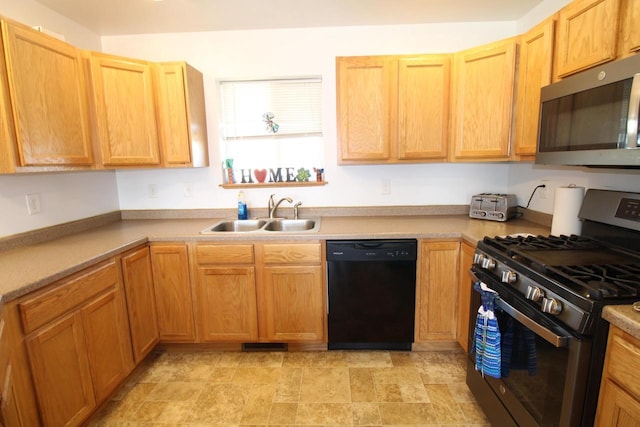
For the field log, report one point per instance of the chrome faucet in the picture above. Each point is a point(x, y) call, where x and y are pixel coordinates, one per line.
point(273, 206)
point(295, 210)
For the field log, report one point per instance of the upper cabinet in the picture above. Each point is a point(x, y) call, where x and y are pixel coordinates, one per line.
point(483, 102)
point(629, 40)
point(392, 109)
point(534, 72)
point(125, 113)
point(45, 101)
point(587, 35)
point(182, 115)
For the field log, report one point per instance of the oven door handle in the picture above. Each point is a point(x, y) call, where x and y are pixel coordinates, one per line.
point(551, 337)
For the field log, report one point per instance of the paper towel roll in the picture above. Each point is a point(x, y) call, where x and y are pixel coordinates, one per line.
point(566, 206)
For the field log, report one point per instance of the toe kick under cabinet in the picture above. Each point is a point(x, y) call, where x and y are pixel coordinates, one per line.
point(260, 292)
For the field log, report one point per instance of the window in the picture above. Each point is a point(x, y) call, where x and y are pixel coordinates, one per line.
point(271, 124)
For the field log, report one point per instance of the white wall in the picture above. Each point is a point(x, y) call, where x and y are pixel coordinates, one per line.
point(64, 196)
point(294, 52)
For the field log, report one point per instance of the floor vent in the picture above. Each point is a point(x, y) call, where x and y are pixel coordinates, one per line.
point(264, 346)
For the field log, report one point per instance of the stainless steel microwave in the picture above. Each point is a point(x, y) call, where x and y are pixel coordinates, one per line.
point(591, 118)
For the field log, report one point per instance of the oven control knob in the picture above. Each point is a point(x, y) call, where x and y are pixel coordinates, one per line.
point(478, 258)
point(534, 293)
point(551, 306)
point(488, 264)
point(509, 277)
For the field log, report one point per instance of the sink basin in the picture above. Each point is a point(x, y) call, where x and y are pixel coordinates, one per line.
point(261, 225)
point(236, 225)
point(291, 225)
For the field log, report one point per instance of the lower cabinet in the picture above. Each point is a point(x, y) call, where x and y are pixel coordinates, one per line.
point(172, 290)
point(78, 343)
point(464, 296)
point(269, 292)
point(437, 291)
point(226, 292)
point(619, 401)
point(141, 303)
point(291, 292)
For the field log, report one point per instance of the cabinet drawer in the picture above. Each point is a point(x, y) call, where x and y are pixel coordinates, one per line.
point(280, 253)
point(623, 365)
point(224, 254)
point(46, 306)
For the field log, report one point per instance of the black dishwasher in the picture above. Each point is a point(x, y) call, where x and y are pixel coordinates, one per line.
point(372, 293)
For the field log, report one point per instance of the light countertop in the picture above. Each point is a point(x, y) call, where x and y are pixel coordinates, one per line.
point(27, 268)
point(624, 317)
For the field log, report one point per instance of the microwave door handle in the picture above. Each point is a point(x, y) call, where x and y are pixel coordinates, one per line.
point(548, 335)
point(632, 116)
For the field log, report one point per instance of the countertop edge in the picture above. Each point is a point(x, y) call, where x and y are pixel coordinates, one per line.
point(624, 317)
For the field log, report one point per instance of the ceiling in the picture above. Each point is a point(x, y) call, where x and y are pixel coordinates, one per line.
point(118, 17)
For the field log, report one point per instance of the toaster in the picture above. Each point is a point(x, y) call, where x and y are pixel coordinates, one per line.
point(494, 207)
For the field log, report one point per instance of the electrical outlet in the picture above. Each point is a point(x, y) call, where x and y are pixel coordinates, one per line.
point(385, 188)
point(152, 191)
point(33, 204)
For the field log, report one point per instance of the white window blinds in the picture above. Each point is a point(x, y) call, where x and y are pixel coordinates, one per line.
point(295, 105)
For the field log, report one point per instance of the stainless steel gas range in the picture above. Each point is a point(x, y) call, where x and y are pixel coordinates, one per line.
point(539, 340)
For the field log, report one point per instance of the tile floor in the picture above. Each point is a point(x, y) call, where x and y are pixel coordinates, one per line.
point(370, 388)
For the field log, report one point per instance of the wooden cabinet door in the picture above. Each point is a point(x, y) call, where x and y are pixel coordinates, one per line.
point(629, 28)
point(484, 85)
point(182, 115)
point(423, 107)
point(172, 289)
point(587, 35)
point(61, 372)
point(108, 341)
point(616, 407)
point(437, 296)
point(125, 113)
point(534, 72)
point(366, 88)
point(226, 303)
point(294, 308)
point(464, 298)
point(141, 302)
point(51, 129)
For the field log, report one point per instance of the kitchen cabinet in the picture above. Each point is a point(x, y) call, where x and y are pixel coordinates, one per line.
point(172, 290)
point(534, 72)
point(484, 102)
point(629, 39)
point(291, 291)
point(392, 109)
point(464, 296)
point(587, 33)
point(182, 115)
point(78, 343)
point(226, 292)
point(124, 111)
point(51, 131)
point(141, 303)
point(437, 291)
point(619, 400)
point(9, 412)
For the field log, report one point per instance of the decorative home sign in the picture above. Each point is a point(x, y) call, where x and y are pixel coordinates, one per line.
point(288, 174)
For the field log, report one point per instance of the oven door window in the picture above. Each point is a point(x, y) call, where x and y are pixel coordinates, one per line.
point(533, 370)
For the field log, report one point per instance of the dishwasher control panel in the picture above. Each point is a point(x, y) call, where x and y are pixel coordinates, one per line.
point(372, 250)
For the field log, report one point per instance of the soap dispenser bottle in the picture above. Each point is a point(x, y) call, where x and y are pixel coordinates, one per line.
point(242, 207)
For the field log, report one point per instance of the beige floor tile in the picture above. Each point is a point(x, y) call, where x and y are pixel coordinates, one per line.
point(407, 413)
point(361, 383)
point(325, 385)
point(324, 414)
point(197, 389)
point(400, 375)
point(365, 414)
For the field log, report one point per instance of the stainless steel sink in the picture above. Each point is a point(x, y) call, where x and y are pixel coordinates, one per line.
point(291, 225)
point(237, 225)
point(281, 225)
